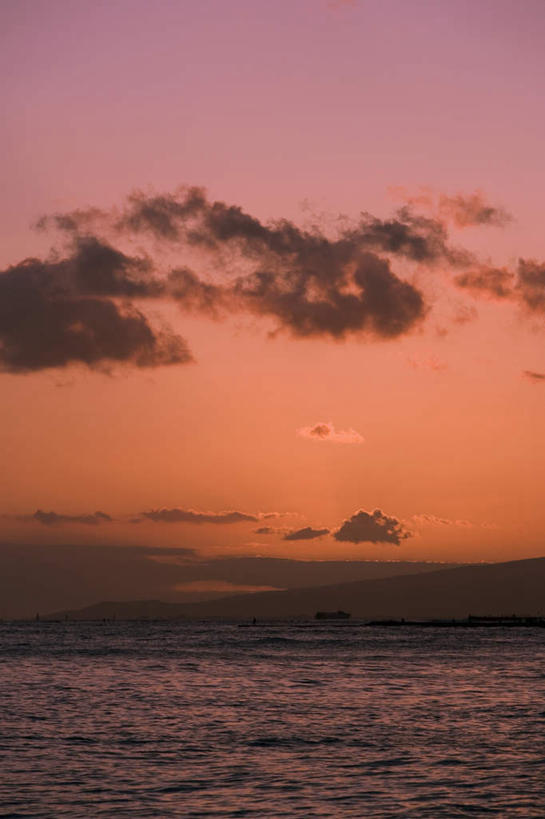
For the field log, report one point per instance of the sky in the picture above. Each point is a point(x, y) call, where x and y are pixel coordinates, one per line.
point(272, 278)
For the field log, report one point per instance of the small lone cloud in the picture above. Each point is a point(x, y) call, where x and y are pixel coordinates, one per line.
point(325, 431)
point(531, 375)
point(375, 527)
point(307, 533)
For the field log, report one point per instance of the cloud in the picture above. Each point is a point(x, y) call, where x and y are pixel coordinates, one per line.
point(433, 520)
point(54, 519)
point(463, 210)
point(466, 211)
point(375, 527)
point(174, 515)
point(533, 376)
point(84, 305)
point(59, 312)
point(325, 431)
point(189, 516)
point(530, 287)
point(491, 282)
point(274, 515)
point(311, 284)
point(525, 285)
point(307, 533)
point(418, 238)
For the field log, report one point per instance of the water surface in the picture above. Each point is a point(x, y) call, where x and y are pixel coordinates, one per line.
point(300, 720)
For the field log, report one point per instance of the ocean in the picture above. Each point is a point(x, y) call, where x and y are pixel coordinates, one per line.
point(177, 719)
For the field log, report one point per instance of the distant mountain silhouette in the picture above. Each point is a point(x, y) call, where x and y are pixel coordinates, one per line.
point(516, 587)
point(43, 578)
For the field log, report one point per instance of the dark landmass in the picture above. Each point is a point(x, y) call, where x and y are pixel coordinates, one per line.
point(516, 587)
point(43, 578)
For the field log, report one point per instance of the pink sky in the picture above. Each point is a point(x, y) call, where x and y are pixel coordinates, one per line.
point(303, 111)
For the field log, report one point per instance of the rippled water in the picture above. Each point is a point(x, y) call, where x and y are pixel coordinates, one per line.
point(179, 720)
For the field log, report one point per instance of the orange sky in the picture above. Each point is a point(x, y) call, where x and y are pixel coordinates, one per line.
point(301, 112)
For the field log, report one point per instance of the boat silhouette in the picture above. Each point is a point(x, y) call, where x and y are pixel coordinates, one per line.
point(332, 615)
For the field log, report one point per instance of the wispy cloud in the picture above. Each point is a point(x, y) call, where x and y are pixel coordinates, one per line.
point(427, 362)
point(423, 520)
point(463, 210)
point(325, 431)
point(525, 285)
point(466, 211)
point(433, 520)
point(531, 375)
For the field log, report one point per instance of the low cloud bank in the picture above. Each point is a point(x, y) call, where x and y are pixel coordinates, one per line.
point(54, 519)
point(189, 516)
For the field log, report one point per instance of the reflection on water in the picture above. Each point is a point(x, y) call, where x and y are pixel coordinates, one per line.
point(180, 720)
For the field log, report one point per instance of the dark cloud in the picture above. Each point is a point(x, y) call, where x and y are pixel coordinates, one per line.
point(488, 281)
point(63, 311)
point(466, 211)
point(81, 307)
point(189, 516)
point(196, 295)
point(307, 533)
point(54, 519)
point(273, 515)
point(266, 530)
point(312, 285)
point(530, 286)
point(533, 376)
point(416, 237)
point(375, 527)
point(318, 301)
point(162, 215)
point(525, 286)
point(189, 215)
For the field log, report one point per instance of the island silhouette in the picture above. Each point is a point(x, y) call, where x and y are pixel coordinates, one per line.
point(493, 590)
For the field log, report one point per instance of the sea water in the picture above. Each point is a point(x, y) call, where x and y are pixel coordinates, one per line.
point(175, 719)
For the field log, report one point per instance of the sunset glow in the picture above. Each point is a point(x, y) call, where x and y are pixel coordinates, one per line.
point(267, 267)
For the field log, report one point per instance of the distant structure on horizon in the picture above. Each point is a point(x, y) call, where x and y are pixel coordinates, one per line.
point(332, 615)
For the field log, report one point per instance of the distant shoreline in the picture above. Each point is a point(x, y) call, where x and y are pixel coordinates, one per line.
point(470, 622)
